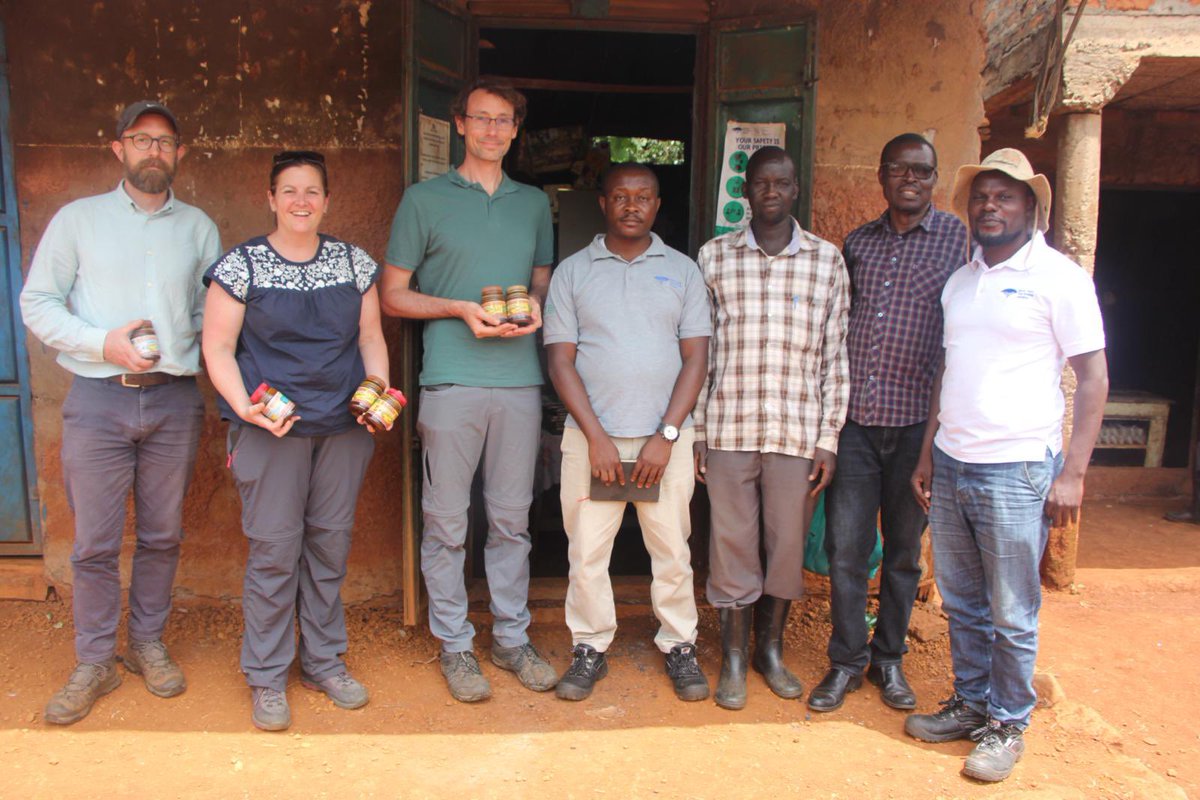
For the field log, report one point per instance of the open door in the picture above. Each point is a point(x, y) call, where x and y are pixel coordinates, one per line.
point(20, 532)
point(762, 71)
point(439, 59)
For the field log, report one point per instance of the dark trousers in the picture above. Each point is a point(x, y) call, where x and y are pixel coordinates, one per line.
point(116, 438)
point(874, 467)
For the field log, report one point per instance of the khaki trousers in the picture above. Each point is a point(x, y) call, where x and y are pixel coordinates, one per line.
point(592, 528)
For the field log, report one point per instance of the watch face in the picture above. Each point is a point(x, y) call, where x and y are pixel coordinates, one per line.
point(670, 433)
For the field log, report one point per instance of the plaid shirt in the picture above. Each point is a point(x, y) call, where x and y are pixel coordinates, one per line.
point(778, 378)
point(895, 337)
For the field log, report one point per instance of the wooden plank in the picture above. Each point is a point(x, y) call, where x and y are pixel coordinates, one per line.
point(694, 11)
point(550, 85)
point(23, 579)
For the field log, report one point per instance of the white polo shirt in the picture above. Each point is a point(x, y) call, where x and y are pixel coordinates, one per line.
point(1009, 330)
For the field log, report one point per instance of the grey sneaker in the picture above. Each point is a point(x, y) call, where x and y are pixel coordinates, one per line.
point(1000, 748)
point(956, 720)
point(87, 683)
point(271, 712)
point(463, 676)
point(532, 670)
point(162, 675)
point(342, 689)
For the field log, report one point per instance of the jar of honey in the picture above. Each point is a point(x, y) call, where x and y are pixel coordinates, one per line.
point(276, 406)
point(520, 312)
point(492, 300)
point(145, 342)
point(386, 409)
point(366, 394)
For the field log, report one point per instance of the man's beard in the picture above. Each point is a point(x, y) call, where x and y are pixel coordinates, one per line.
point(999, 239)
point(152, 176)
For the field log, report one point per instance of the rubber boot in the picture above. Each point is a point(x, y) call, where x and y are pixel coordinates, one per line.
point(735, 646)
point(770, 618)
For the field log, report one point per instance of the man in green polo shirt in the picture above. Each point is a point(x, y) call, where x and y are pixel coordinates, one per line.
point(480, 380)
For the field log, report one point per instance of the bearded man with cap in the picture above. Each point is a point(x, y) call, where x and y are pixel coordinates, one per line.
point(993, 472)
point(107, 265)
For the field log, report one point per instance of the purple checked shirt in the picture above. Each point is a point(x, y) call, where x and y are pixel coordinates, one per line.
point(895, 336)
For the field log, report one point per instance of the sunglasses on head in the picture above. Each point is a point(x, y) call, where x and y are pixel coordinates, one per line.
point(299, 157)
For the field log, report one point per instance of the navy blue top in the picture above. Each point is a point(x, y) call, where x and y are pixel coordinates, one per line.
point(300, 332)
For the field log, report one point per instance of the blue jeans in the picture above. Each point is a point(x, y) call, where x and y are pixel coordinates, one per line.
point(989, 530)
point(874, 467)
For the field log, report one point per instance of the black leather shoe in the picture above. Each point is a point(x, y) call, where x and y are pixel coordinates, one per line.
point(955, 720)
point(830, 693)
point(892, 686)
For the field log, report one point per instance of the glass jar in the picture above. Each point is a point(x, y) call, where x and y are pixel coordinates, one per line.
point(383, 414)
point(145, 342)
point(276, 406)
point(492, 300)
point(520, 312)
point(366, 394)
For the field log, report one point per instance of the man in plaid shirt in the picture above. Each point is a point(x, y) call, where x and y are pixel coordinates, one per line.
point(898, 264)
point(768, 419)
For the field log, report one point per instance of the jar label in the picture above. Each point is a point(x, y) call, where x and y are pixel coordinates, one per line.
point(146, 345)
point(495, 307)
point(518, 306)
point(278, 407)
point(366, 395)
point(385, 412)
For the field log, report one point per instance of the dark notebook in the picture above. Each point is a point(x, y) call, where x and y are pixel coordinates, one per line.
point(629, 492)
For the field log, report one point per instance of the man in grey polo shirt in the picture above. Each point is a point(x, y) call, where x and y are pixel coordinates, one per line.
point(480, 379)
point(106, 265)
point(627, 329)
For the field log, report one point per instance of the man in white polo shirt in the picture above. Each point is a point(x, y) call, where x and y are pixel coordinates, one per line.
point(992, 471)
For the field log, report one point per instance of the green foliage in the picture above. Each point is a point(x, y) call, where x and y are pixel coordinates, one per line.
point(624, 149)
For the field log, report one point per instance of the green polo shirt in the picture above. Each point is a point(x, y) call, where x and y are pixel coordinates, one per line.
point(457, 239)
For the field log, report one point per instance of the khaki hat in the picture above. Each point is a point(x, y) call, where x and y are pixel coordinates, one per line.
point(1013, 163)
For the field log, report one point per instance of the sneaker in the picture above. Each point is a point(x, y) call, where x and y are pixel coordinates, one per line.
point(998, 750)
point(684, 672)
point(587, 667)
point(162, 675)
point(88, 682)
point(343, 690)
point(271, 712)
point(463, 676)
point(534, 672)
point(956, 720)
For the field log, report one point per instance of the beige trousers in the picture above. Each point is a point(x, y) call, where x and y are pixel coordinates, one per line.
point(592, 528)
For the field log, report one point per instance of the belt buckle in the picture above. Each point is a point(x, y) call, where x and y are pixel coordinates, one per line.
point(125, 383)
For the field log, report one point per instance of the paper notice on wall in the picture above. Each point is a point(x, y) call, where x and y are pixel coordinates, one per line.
point(434, 148)
point(741, 140)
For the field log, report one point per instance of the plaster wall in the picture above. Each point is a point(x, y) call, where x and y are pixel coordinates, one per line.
point(249, 79)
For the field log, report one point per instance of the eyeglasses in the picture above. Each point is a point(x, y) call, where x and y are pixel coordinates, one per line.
point(298, 157)
point(898, 169)
point(142, 141)
point(503, 124)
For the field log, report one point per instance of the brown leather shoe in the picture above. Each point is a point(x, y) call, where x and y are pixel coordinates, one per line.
point(87, 683)
point(163, 676)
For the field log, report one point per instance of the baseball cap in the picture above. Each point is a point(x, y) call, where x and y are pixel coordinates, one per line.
point(132, 112)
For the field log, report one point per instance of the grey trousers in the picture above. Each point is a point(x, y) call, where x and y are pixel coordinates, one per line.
point(458, 425)
point(116, 438)
point(742, 486)
point(298, 500)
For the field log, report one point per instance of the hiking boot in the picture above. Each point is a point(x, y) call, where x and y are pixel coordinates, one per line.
point(587, 667)
point(684, 672)
point(343, 690)
point(463, 676)
point(1000, 748)
point(88, 682)
point(162, 675)
point(271, 712)
point(533, 671)
point(956, 720)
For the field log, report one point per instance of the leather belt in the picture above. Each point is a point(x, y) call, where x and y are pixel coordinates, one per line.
point(139, 380)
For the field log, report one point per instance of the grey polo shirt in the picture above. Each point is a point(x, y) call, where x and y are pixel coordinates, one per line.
point(103, 262)
point(626, 319)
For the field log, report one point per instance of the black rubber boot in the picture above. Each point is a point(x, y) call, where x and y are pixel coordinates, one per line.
point(770, 618)
point(735, 646)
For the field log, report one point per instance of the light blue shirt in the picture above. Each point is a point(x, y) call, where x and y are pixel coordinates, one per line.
point(103, 262)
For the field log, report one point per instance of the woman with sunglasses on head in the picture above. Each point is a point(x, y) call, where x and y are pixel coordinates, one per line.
point(297, 310)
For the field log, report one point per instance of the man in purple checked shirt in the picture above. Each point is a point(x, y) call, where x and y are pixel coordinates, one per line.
point(898, 264)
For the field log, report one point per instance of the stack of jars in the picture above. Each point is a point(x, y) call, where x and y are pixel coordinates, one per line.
point(377, 405)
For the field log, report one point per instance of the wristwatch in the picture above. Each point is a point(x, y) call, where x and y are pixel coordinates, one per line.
point(668, 432)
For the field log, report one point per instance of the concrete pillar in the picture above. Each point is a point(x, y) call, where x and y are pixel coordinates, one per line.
point(1076, 211)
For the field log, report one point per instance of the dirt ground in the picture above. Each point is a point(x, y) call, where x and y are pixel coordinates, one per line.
point(1121, 648)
